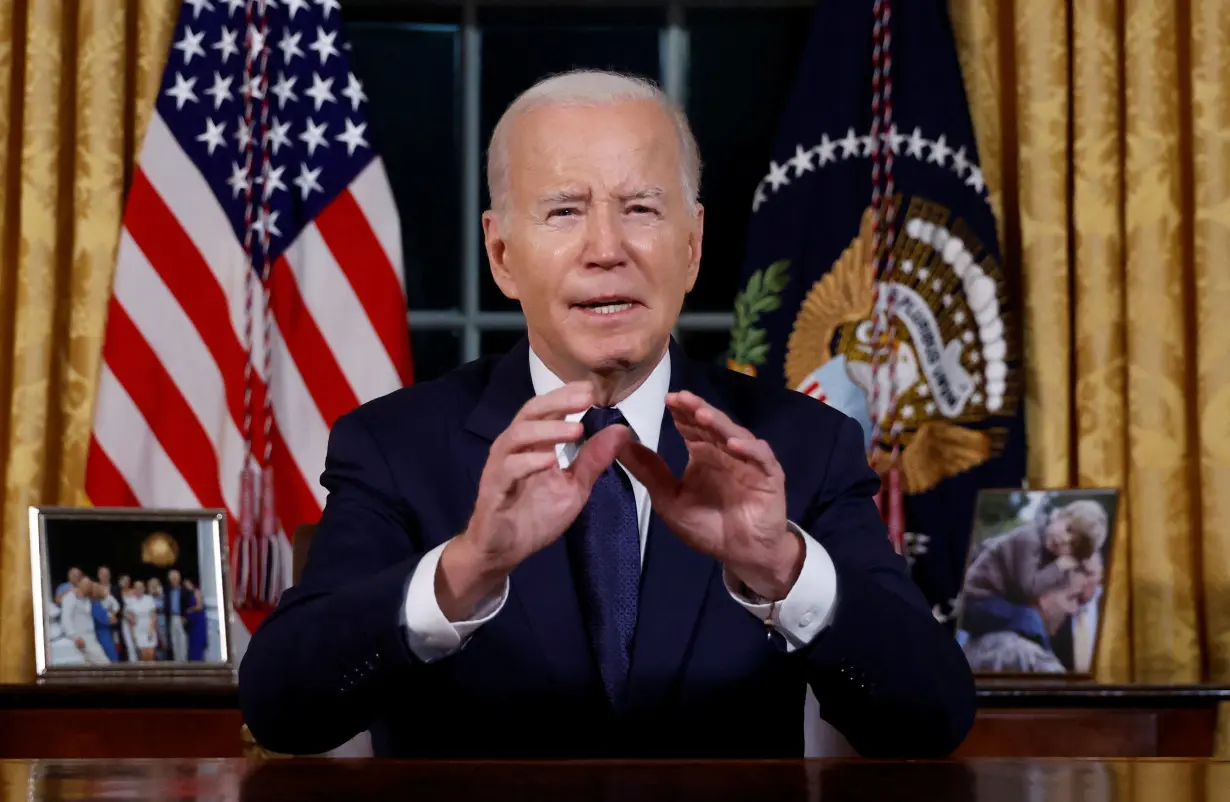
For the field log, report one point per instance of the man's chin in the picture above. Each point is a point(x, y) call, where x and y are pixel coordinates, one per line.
point(618, 354)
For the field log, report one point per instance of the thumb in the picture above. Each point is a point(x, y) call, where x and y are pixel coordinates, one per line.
point(650, 470)
point(598, 453)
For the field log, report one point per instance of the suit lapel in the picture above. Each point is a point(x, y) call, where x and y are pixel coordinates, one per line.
point(675, 579)
point(542, 585)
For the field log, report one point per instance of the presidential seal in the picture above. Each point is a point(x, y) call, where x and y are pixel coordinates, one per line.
point(947, 374)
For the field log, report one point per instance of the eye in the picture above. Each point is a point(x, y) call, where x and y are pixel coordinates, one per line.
point(563, 211)
point(640, 208)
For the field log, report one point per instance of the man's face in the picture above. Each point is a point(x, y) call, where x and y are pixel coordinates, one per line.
point(596, 240)
point(1058, 604)
point(104, 575)
point(74, 576)
point(173, 578)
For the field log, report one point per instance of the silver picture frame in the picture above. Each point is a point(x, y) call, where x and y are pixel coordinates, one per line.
point(61, 536)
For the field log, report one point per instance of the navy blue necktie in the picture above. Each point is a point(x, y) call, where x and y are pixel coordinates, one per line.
point(607, 549)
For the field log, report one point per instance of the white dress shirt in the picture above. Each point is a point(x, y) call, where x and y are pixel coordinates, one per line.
point(806, 610)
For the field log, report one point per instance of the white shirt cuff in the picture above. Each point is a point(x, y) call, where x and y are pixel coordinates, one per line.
point(429, 633)
point(809, 606)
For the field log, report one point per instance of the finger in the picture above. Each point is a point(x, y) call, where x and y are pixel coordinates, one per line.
point(562, 401)
point(650, 470)
point(692, 431)
point(755, 452)
point(528, 434)
point(598, 453)
point(519, 466)
point(685, 407)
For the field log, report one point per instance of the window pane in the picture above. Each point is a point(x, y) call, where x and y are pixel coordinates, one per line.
point(522, 46)
point(742, 64)
point(499, 341)
point(411, 76)
point(435, 351)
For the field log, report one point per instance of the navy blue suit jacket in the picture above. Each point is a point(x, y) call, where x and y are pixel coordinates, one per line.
point(706, 679)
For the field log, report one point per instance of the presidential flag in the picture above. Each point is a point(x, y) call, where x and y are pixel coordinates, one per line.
point(873, 279)
point(258, 293)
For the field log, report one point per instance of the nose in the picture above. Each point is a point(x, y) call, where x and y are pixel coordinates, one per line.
point(603, 238)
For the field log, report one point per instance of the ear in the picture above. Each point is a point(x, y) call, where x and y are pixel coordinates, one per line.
point(497, 251)
point(694, 246)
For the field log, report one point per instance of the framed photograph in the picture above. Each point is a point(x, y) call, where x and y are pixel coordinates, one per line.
point(1034, 587)
point(128, 594)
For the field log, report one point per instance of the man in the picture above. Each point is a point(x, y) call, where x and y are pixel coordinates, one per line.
point(64, 588)
point(1029, 645)
point(77, 621)
point(174, 609)
point(486, 581)
point(113, 600)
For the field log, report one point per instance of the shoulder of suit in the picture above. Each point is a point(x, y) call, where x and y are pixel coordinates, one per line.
point(756, 399)
point(430, 403)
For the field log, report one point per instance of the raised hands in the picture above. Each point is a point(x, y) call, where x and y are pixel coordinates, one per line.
point(525, 500)
point(731, 501)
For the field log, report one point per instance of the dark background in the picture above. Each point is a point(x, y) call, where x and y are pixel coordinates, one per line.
point(408, 53)
point(117, 545)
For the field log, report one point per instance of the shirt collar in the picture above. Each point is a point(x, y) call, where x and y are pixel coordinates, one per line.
point(643, 409)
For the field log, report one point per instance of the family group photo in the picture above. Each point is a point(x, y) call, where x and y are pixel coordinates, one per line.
point(125, 591)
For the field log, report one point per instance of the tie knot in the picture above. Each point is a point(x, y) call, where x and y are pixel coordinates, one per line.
point(598, 418)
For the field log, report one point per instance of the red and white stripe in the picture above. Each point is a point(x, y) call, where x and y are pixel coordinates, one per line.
point(169, 417)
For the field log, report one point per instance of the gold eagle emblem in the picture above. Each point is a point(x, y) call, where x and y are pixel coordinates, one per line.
point(947, 366)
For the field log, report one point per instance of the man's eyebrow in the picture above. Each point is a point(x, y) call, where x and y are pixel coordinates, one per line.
point(564, 196)
point(645, 193)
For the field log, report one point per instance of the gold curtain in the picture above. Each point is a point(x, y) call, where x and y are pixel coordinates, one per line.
point(77, 84)
point(1104, 128)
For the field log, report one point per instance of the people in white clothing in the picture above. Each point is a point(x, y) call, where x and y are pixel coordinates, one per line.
point(77, 621)
point(130, 648)
point(163, 650)
point(139, 618)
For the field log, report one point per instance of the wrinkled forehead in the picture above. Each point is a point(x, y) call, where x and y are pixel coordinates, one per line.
point(618, 147)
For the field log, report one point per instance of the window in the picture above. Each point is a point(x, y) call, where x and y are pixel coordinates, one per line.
point(439, 73)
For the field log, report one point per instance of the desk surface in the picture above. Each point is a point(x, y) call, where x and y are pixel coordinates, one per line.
point(760, 781)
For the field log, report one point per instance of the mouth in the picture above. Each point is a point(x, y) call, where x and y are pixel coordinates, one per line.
point(607, 306)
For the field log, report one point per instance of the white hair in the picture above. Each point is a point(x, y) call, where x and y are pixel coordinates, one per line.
point(590, 88)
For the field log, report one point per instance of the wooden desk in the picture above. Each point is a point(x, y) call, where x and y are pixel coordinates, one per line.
point(784, 781)
point(1035, 719)
point(1049, 719)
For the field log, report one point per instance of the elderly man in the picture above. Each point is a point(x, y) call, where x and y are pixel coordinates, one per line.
point(78, 622)
point(177, 603)
point(591, 546)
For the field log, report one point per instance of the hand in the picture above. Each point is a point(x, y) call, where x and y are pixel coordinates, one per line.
point(80, 643)
point(731, 501)
point(525, 500)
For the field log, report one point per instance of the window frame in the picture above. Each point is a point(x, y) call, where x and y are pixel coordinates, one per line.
point(469, 320)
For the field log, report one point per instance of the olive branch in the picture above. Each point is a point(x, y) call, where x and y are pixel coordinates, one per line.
point(762, 294)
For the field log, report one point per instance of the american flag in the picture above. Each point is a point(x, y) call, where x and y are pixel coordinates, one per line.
point(260, 251)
